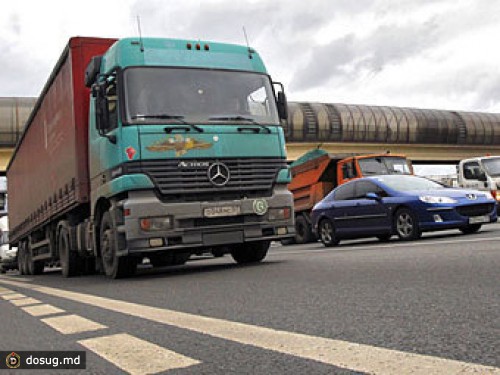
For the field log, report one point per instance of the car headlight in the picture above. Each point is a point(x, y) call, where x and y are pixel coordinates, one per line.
point(283, 213)
point(428, 199)
point(149, 224)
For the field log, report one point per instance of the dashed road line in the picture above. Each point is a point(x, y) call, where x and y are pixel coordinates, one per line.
point(24, 301)
point(136, 356)
point(42, 310)
point(357, 357)
point(12, 296)
point(71, 324)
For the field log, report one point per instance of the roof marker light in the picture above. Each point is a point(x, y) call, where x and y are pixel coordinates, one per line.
point(198, 47)
point(207, 47)
point(189, 46)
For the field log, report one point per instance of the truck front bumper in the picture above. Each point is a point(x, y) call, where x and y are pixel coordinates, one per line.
point(205, 224)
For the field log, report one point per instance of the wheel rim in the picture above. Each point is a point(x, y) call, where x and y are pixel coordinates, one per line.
point(405, 225)
point(326, 232)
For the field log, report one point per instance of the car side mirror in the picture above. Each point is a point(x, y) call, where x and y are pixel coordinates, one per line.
point(373, 196)
point(482, 177)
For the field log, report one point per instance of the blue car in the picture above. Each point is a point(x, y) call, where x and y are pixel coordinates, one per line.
point(381, 206)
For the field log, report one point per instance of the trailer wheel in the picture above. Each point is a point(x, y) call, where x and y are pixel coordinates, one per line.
point(67, 257)
point(114, 266)
point(250, 252)
point(303, 230)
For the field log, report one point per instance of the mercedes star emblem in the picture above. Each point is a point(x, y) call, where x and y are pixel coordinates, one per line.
point(218, 174)
point(471, 197)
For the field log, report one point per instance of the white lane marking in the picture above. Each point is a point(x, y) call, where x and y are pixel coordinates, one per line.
point(24, 301)
point(357, 357)
point(70, 324)
point(41, 310)
point(394, 245)
point(2, 293)
point(137, 356)
point(11, 296)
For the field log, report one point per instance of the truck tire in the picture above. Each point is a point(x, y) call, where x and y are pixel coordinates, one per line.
point(250, 252)
point(303, 230)
point(326, 233)
point(67, 256)
point(406, 225)
point(32, 267)
point(115, 267)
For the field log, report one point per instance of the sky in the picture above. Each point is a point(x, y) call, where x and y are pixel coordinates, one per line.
point(439, 54)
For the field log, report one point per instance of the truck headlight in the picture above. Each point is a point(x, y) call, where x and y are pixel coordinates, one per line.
point(429, 199)
point(283, 213)
point(151, 224)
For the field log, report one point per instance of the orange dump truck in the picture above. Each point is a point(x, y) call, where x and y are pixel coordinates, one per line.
point(318, 172)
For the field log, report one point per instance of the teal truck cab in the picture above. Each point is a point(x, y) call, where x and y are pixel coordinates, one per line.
point(184, 154)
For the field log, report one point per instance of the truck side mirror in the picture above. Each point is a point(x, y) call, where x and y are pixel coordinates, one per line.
point(282, 106)
point(281, 102)
point(101, 107)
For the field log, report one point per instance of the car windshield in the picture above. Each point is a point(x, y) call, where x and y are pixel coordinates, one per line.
point(384, 165)
point(492, 166)
point(153, 94)
point(409, 183)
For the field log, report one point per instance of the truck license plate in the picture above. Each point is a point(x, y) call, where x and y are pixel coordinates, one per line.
point(479, 219)
point(220, 211)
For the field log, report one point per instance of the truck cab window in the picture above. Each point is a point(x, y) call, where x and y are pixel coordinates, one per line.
point(112, 104)
point(472, 170)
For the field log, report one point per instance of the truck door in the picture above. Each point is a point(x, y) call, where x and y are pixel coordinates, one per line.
point(104, 142)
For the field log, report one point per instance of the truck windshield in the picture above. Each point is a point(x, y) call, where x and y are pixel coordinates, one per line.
point(156, 94)
point(384, 165)
point(492, 166)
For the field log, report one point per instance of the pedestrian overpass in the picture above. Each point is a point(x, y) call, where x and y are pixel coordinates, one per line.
point(426, 136)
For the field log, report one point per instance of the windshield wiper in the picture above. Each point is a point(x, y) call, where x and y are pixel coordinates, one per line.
point(166, 116)
point(241, 118)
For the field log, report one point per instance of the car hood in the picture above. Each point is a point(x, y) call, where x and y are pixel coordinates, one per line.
point(451, 193)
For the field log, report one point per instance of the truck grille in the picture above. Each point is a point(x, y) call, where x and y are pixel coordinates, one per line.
point(476, 209)
point(248, 178)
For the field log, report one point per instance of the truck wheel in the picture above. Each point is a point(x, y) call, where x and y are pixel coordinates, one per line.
point(250, 252)
point(114, 266)
point(327, 233)
point(67, 257)
point(32, 267)
point(303, 231)
point(469, 229)
point(406, 225)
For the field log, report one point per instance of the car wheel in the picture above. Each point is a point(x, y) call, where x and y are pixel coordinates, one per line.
point(327, 233)
point(406, 225)
point(469, 229)
point(303, 230)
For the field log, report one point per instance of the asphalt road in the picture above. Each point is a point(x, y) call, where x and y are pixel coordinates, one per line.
point(430, 306)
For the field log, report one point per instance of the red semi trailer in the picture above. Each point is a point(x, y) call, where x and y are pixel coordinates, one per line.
point(50, 175)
